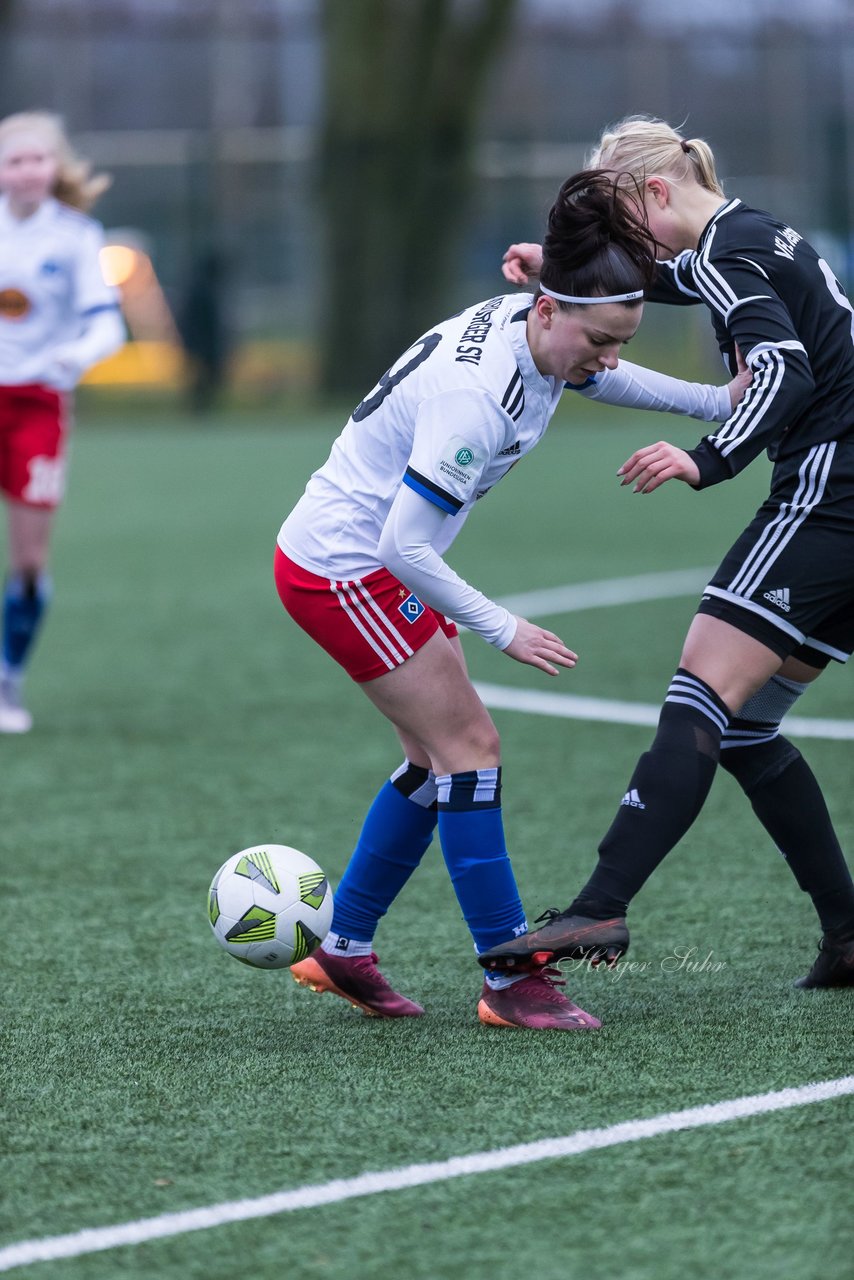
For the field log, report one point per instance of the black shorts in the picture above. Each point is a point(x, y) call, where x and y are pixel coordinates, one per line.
point(788, 581)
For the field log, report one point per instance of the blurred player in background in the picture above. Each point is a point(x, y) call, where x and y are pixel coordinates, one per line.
point(359, 566)
point(781, 605)
point(57, 317)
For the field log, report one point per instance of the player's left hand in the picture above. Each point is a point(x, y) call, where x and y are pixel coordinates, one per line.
point(537, 647)
point(649, 467)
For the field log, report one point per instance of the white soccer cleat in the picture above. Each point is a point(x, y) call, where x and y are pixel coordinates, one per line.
point(14, 716)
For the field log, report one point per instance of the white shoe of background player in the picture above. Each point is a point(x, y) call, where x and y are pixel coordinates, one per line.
point(14, 716)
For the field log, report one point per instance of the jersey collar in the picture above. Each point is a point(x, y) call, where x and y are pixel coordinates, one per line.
point(518, 330)
point(35, 222)
point(720, 212)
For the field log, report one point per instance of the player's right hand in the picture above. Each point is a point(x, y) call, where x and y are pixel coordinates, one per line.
point(539, 648)
point(650, 467)
point(521, 261)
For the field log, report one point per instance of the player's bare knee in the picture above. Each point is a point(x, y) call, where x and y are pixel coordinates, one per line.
point(485, 743)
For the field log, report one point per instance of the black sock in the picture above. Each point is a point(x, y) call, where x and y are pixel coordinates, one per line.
point(667, 791)
point(789, 803)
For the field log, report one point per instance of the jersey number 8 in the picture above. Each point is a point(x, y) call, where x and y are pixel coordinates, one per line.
point(392, 377)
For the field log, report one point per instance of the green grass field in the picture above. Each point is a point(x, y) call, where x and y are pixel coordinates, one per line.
point(180, 717)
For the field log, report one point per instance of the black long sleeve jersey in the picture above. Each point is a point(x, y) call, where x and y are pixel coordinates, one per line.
point(769, 292)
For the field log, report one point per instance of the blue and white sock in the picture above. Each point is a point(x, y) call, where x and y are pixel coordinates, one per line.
point(498, 980)
point(394, 838)
point(335, 944)
point(472, 834)
point(25, 598)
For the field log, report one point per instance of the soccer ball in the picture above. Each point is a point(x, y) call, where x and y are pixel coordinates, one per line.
point(270, 906)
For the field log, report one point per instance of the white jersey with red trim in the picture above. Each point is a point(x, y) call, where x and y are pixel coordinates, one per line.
point(445, 424)
point(51, 290)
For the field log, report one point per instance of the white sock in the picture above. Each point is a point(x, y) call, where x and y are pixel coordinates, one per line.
point(334, 945)
point(497, 980)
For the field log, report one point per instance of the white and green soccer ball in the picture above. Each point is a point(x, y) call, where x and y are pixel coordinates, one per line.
point(270, 906)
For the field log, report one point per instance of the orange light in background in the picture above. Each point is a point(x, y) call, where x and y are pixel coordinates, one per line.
point(129, 268)
point(118, 263)
point(153, 356)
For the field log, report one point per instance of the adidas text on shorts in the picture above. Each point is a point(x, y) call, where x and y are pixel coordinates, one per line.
point(369, 625)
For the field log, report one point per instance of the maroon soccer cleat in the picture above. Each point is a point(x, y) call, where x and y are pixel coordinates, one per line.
point(562, 937)
point(534, 1002)
point(356, 979)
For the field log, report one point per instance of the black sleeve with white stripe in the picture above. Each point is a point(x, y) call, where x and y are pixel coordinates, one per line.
point(755, 318)
point(674, 282)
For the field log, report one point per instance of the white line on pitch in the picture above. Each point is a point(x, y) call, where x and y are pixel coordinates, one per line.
point(97, 1239)
point(572, 598)
point(608, 591)
point(570, 706)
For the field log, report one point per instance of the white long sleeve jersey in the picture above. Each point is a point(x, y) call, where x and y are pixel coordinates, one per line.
point(55, 305)
point(442, 426)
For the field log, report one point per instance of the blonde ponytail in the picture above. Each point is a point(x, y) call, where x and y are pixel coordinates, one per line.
point(640, 146)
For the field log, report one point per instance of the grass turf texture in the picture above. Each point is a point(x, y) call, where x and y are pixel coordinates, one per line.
point(179, 717)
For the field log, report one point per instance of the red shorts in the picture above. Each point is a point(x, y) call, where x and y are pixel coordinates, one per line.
point(33, 434)
point(370, 625)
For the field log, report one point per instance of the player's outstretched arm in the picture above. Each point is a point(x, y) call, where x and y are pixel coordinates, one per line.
point(521, 262)
point(650, 467)
point(539, 648)
point(632, 386)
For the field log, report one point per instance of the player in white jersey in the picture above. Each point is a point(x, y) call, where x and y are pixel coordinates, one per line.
point(57, 318)
point(477, 373)
point(359, 565)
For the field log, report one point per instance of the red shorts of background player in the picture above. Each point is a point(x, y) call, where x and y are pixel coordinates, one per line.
point(33, 434)
point(370, 625)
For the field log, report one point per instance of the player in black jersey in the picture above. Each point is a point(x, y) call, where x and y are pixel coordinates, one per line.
point(781, 605)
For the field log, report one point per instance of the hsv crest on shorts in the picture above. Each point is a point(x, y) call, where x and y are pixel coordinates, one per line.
point(411, 608)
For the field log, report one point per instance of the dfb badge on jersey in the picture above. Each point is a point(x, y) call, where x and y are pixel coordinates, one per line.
point(461, 462)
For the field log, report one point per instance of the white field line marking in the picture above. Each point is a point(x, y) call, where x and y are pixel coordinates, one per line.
point(570, 706)
point(97, 1239)
point(574, 597)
